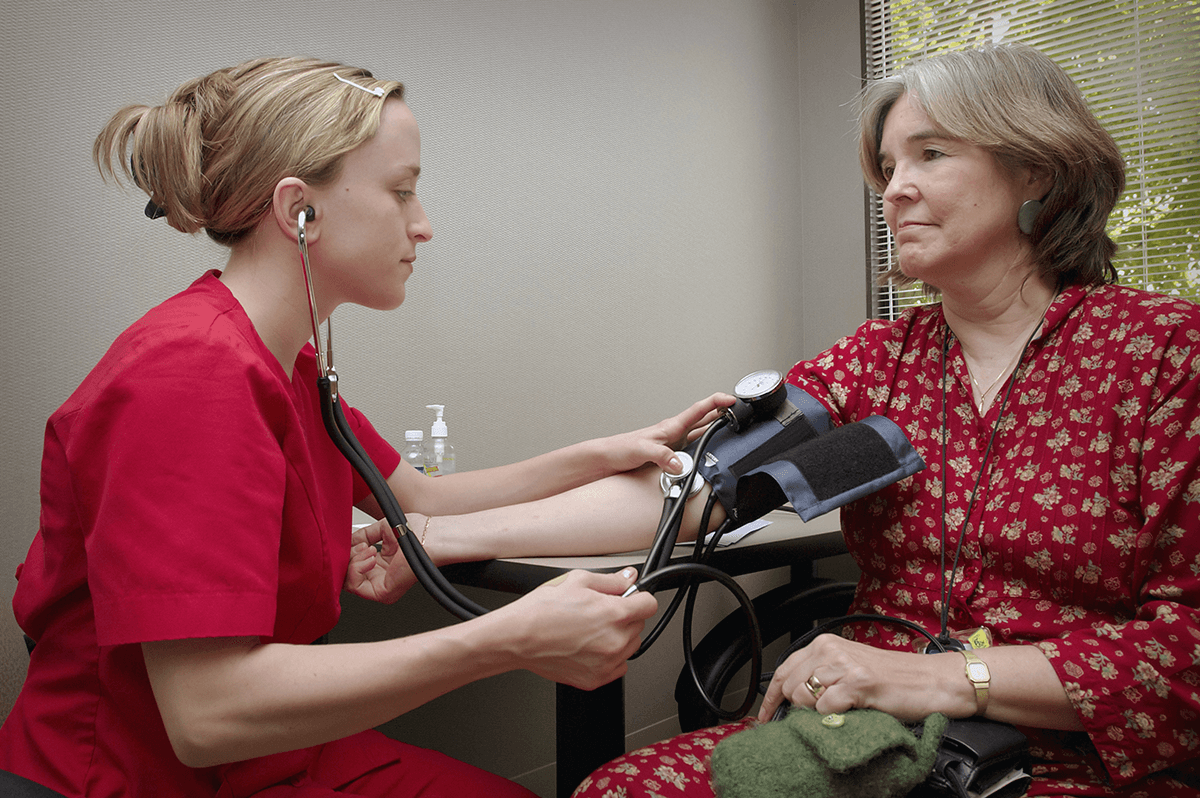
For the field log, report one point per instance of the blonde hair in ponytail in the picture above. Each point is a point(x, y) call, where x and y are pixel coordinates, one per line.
point(211, 155)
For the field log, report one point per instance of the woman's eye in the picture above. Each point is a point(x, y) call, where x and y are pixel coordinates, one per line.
point(405, 195)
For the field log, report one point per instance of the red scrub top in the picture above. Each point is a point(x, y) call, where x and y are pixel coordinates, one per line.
point(188, 489)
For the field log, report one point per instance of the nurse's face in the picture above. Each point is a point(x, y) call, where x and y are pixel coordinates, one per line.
point(950, 205)
point(370, 218)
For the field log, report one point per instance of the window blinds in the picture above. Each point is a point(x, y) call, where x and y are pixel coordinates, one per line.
point(1138, 64)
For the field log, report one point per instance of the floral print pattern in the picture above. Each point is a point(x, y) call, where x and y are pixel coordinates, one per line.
point(1083, 538)
point(1084, 534)
point(675, 768)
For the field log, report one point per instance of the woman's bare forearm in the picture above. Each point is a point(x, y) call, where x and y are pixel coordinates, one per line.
point(615, 514)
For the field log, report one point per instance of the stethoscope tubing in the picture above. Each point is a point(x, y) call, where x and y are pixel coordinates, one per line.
point(657, 574)
point(668, 528)
point(422, 566)
point(687, 577)
point(347, 443)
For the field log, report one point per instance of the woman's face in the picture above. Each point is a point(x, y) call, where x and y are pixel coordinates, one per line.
point(950, 206)
point(370, 220)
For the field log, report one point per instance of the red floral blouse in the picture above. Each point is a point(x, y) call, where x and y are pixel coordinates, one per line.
point(1084, 535)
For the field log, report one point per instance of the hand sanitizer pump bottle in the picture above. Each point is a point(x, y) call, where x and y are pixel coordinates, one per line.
point(439, 454)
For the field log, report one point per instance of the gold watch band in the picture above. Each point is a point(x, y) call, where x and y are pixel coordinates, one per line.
point(980, 677)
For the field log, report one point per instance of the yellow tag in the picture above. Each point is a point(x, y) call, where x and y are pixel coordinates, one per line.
point(975, 638)
point(981, 638)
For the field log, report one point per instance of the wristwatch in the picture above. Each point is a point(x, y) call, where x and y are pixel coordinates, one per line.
point(979, 676)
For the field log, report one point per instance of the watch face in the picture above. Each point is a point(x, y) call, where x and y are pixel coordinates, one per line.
point(757, 384)
point(978, 672)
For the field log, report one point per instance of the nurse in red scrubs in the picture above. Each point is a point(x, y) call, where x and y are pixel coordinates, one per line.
point(194, 533)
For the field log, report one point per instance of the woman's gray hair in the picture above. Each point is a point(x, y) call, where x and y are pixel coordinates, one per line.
point(1016, 103)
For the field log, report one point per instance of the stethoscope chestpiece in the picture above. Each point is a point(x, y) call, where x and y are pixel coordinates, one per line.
point(672, 484)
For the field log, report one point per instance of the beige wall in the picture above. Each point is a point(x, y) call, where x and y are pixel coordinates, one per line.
point(634, 202)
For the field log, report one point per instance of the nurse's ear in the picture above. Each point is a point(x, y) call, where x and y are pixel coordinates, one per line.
point(292, 197)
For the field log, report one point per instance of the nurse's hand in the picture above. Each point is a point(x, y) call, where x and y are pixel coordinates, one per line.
point(380, 574)
point(657, 443)
point(577, 629)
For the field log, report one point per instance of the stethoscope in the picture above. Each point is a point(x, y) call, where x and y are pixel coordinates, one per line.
point(343, 437)
point(758, 395)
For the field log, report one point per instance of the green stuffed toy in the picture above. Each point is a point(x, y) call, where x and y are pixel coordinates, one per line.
point(863, 753)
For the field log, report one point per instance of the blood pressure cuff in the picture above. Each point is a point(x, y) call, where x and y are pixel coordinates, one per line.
point(797, 457)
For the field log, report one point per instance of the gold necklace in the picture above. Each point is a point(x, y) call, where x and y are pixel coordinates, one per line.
point(982, 400)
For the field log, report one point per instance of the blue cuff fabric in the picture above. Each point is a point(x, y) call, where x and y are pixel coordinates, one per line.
point(802, 461)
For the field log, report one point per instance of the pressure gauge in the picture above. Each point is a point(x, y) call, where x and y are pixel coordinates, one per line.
point(757, 386)
point(759, 395)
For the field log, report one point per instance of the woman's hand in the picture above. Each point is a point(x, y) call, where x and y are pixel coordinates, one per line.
point(380, 574)
point(907, 685)
point(657, 443)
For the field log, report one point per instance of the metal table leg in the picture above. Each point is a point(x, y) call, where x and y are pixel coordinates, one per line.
point(590, 730)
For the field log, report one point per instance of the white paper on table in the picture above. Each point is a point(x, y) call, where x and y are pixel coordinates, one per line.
point(734, 535)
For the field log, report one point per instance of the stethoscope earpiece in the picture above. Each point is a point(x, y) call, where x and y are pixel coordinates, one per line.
point(309, 213)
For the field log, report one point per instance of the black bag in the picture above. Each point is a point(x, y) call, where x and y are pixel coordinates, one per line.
point(977, 757)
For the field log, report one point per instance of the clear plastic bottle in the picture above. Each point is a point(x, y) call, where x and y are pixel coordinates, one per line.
point(439, 454)
point(414, 450)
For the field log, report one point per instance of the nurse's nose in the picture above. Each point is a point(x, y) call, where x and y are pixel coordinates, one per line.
point(419, 228)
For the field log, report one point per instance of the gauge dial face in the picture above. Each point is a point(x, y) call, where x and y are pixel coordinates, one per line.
point(760, 383)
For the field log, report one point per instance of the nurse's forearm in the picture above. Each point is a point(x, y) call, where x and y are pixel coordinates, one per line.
point(228, 699)
point(517, 483)
point(553, 473)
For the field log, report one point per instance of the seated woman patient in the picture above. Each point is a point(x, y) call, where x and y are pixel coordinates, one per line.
point(1058, 414)
point(195, 517)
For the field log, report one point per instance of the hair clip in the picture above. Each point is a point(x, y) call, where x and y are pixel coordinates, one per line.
point(377, 91)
